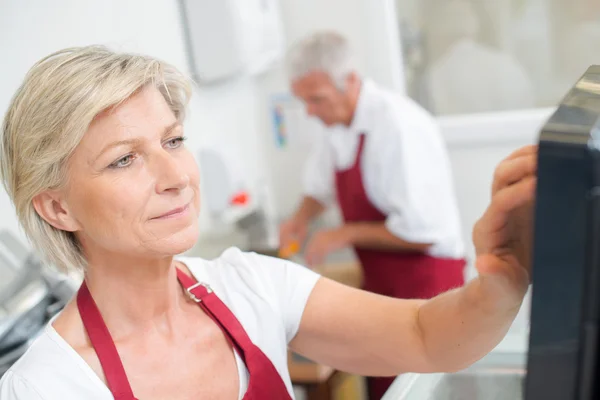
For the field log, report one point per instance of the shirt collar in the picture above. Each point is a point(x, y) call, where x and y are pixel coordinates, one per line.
point(361, 121)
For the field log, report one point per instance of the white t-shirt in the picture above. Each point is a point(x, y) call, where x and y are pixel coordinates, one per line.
point(405, 169)
point(267, 295)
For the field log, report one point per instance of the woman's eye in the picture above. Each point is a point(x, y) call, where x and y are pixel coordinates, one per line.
point(175, 143)
point(123, 162)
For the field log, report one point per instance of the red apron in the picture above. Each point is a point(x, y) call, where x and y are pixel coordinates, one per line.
point(264, 382)
point(394, 274)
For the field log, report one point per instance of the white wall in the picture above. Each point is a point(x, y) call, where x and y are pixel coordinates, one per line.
point(32, 29)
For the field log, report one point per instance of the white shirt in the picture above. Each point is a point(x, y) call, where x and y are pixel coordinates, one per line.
point(267, 295)
point(405, 169)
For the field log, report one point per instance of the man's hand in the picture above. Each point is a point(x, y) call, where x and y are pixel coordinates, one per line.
point(325, 242)
point(292, 230)
point(503, 235)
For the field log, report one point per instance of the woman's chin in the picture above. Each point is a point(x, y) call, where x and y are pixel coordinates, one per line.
point(179, 242)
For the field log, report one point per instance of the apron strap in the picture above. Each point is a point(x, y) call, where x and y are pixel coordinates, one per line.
point(265, 381)
point(116, 378)
point(222, 316)
point(359, 149)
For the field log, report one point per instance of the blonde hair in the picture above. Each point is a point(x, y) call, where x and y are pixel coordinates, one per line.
point(47, 118)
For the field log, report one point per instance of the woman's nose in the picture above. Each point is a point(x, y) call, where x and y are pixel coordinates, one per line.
point(170, 174)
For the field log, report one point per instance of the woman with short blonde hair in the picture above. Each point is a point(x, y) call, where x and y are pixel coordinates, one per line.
point(92, 155)
point(59, 99)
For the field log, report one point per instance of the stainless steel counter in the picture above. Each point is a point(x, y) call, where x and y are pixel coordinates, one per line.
point(498, 376)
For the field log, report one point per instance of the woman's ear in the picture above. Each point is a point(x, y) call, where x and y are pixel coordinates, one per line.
point(54, 210)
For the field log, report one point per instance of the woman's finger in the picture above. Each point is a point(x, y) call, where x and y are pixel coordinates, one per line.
point(503, 203)
point(513, 170)
point(523, 151)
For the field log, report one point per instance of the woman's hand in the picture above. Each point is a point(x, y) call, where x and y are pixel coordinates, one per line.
point(503, 235)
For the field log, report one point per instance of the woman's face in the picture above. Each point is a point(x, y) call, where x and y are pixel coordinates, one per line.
point(133, 186)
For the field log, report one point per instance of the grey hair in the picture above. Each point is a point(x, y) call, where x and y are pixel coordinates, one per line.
point(327, 52)
point(47, 118)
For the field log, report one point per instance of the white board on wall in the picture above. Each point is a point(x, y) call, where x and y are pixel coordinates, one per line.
point(230, 37)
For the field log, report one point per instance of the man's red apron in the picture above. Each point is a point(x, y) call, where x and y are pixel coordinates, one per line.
point(394, 274)
point(264, 382)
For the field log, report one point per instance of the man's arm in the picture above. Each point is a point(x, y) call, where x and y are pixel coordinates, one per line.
point(367, 235)
point(292, 233)
point(375, 235)
point(309, 209)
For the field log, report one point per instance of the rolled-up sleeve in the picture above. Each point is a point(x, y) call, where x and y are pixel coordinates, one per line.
point(319, 170)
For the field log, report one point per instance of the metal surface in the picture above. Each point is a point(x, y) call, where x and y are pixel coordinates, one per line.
point(498, 376)
point(29, 297)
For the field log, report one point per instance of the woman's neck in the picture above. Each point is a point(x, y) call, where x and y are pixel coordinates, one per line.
point(136, 295)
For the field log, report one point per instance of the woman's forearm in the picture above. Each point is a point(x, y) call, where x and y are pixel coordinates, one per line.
point(461, 326)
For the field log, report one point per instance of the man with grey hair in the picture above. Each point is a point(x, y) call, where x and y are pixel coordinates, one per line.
point(384, 161)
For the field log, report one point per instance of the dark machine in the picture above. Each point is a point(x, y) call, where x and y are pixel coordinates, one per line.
point(563, 343)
